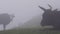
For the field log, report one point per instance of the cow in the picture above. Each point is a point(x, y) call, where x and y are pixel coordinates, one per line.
point(50, 17)
point(5, 19)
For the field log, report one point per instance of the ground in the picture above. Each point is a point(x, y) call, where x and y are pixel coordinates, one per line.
point(29, 31)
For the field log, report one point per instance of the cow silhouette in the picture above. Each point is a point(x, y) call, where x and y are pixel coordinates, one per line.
point(50, 17)
point(5, 19)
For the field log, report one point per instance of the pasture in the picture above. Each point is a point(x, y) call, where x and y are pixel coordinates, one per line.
point(29, 31)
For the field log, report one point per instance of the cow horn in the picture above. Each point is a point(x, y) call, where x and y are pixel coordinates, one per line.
point(50, 6)
point(42, 8)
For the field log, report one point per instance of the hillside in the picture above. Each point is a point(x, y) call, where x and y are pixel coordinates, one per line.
point(32, 23)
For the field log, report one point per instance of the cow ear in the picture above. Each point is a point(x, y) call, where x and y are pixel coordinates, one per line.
point(42, 8)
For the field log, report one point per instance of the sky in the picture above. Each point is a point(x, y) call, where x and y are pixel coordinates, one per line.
point(24, 10)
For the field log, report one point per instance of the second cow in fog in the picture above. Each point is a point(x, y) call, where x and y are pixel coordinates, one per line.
point(5, 19)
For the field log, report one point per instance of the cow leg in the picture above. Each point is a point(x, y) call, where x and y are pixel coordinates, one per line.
point(4, 26)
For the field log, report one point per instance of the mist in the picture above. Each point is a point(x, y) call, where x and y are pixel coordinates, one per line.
point(24, 10)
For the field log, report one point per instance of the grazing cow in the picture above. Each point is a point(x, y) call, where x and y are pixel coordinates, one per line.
point(5, 19)
point(50, 17)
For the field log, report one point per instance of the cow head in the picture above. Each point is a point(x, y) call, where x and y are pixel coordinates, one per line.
point(47, 16)
point(12, 16)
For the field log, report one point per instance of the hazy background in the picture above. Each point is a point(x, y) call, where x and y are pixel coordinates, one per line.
point(25, 10)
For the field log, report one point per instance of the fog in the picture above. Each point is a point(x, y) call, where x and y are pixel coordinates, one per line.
point(24, 10)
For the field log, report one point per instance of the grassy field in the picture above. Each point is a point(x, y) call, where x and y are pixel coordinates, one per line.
point(28, 31)
point(20, 31)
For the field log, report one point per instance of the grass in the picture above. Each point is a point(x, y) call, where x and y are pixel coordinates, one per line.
point(20, 31)
point(29, 31)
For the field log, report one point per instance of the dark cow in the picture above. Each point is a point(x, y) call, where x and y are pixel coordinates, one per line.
point(50, 17)
point(5, 19)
